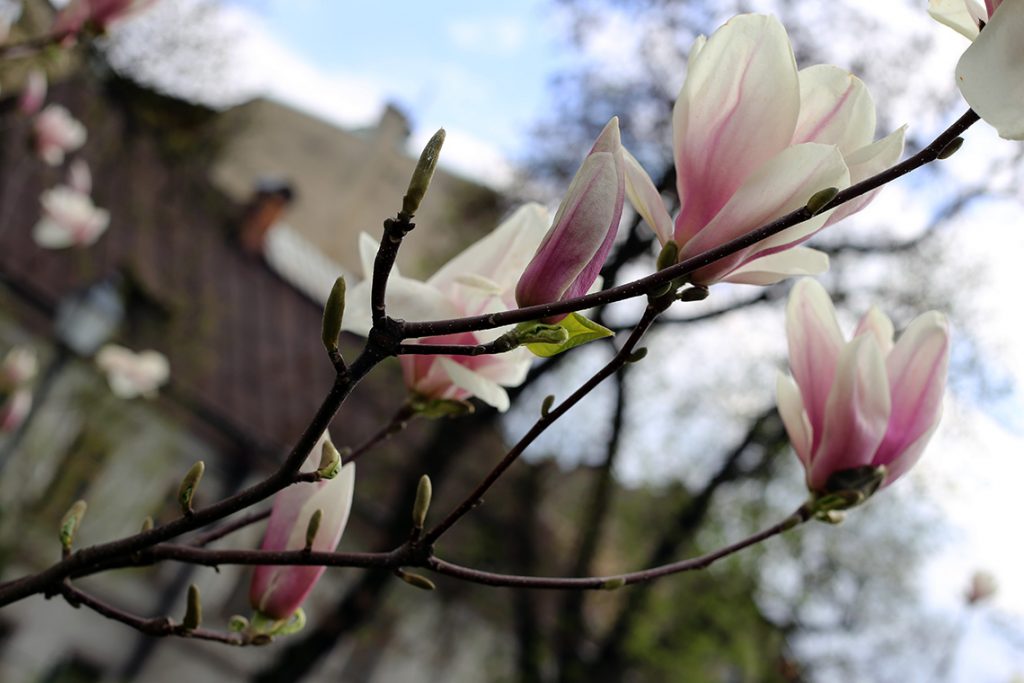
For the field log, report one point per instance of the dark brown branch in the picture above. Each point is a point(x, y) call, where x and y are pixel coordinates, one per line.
point(652, 283)
point(220, 532)
point(395, 231)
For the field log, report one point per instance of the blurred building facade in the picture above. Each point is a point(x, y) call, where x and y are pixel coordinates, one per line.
point(227, 230)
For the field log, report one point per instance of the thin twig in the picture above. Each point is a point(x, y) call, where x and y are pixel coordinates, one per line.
point(653, 282)
point(220, 532)
point(546, 420)
point(398, 422)
point(610, 582)
point(159, 626)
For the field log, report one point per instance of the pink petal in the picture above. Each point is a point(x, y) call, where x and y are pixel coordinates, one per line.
point(737, 109)
point(856, 413)
point(782, 185)
point(917, 374)
point(815, 343)
point(835, 109)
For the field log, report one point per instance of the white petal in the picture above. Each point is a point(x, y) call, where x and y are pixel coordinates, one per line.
point(503, 254)
point(835, 109)
point(878, 324)
point(794, 417)
point(770, 269)
point(50, 234)
point(646, 199)
point(990, 73)
point(955, 14)
point(866, 162)
point(484, 389)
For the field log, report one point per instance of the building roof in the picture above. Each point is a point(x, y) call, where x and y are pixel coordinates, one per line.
point(243, 343)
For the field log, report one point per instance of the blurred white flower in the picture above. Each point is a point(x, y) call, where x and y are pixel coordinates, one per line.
point(69, 219)
point(57, 132)
point(133, 374)
point(18, 368)
point(34, 93)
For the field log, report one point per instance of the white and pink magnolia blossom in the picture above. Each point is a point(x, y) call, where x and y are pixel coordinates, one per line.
point(863, 402)
point(17, 370)
point(100, 13)
point(69, 219)
point(132, 374)
point(278, 591)
point(754, 139)
point(57, 133)
point(34, 93)
point(573, 251)
point(79, 176)
point(479, 280)
point(14, 408)
point(19, 367)
point(990, 74)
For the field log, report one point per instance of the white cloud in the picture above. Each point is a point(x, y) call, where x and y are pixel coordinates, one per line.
point(490, 35)
point(468, 155)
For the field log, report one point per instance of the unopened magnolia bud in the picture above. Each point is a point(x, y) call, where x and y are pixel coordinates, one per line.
point(193, 609)
point(237, 623)
point(637, 355)
point(422, 175)
point(70, 522)
point(416, 580)
point(950, 149)
point(147, 524)
point(330, 461)
point(694, 293)
point(312, 527)
point(545, 406)
point(334, 311)
point(422, 504)
point(820, 199)
point(188, 487)
point(668, 255)
point(613, 584)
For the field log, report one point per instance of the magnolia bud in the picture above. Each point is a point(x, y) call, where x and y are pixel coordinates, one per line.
point(334, 311)
point(313, 527)
point(70, 522)
point(422, 503)
point(422, 175)
point(193, 609)
point(330, 461)
point(188, 487)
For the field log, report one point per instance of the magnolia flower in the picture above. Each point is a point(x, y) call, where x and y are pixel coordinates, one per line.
point(34, 93)
point(477, 281)
point(101, 13)
point(865, 402)
point(18, 368)
point(79, 176)
point(133, 374)
point(753, 140)
point(278, 591)
point(56, 133)
point(69, 219)
point(569, 259)
point(14, 409)
point(990, 74)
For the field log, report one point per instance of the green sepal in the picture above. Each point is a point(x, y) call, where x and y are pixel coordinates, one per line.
point(439, 407)
point(580, 330)
point(261, 624)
